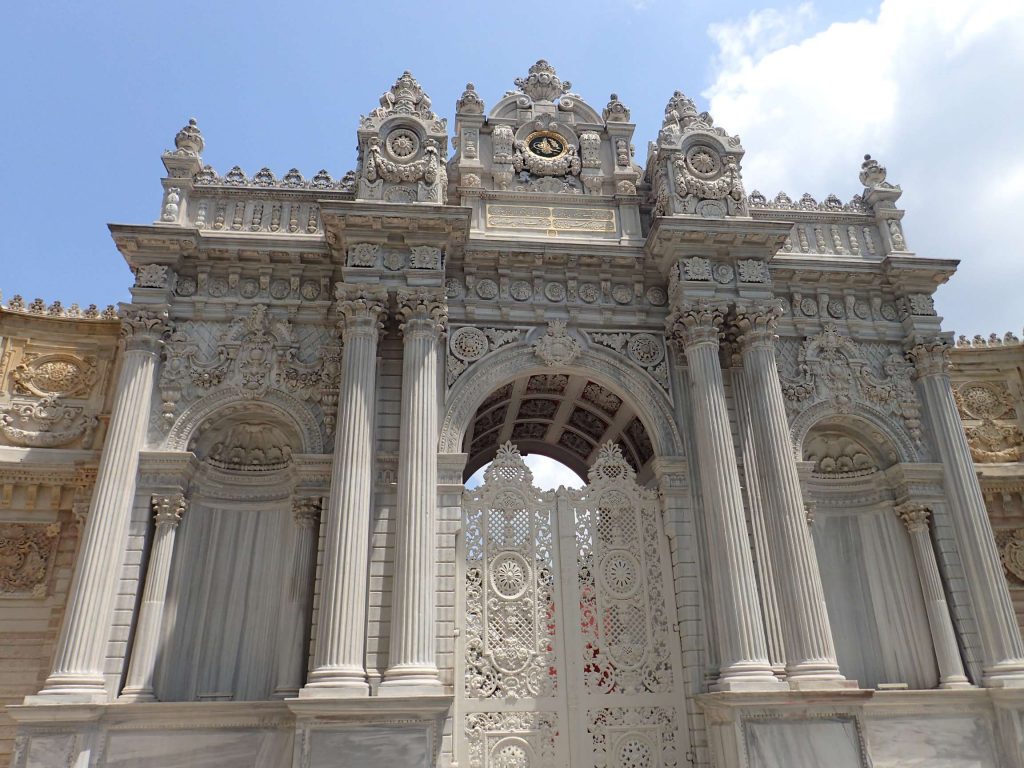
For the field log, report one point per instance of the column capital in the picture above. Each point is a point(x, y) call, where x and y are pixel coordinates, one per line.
point(306, 511)
point(756, 322)
point(697, 322)
point(360, 308)
point(930, 356)
point(168, 509)
point(914, 515)
point(422, 310)
point(143, 327)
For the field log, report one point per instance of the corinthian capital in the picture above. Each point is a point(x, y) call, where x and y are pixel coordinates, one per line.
point(756, 322)
point(143, 327)
point(930, 357)
point(698, 322)
point(914, 516)
point(360, 307)
point(306, 511)
point(167, 510)
point(423, 310)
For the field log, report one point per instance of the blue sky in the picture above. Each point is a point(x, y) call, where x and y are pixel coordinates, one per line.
point(95, 91)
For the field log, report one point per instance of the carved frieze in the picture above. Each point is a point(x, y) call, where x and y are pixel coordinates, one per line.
point(834, 369)
point(47, 423)
point(995, 437)
point(27, 551)
point(253, 354)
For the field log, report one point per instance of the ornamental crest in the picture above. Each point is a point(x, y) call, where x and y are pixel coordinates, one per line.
point(1011, 551)
point(556, 346)
point(47, 423)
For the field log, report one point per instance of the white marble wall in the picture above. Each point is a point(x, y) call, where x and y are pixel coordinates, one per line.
point(194, 748)
point(947, 741)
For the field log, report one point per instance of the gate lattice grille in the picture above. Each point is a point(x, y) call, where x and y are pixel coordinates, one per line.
point(568, 656)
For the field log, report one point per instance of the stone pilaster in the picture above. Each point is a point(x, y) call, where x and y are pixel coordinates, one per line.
point(296, 594)
point(412, 664)
point(947, 654)
point(339, 667)
point(167, 512)
point(1002, 649)
point(78, 662)
point(742, 653)
point(810, 652)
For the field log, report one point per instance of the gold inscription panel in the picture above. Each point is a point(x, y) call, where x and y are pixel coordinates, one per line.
point(551, 219)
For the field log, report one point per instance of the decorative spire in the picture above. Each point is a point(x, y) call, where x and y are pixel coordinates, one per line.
point(189, 140)
point(470, 101)
point(542, 83)
point(405, 97)
point(615, 111)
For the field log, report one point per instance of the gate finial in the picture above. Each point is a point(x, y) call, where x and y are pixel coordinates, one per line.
point(610, 465)
point(508, 467)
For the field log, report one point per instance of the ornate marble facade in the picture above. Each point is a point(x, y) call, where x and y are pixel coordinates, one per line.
point(782, 555)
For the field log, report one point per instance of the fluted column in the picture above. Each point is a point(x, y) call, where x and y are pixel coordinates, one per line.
point(742, 653)
point(339, 667)
point(947, 654)
point(167, 512)
point(807, 637)
point(296, 591)
point(1002, 650)
point(81, 650)
point(759, 534)
point(412, 666)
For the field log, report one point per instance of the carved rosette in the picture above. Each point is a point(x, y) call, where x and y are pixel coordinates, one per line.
point(930, 357)
point(422, 311)
point(360, 308)
point(468, 344)
point(26, 557)
point(756, 322)
point(168, 510)
point(556, 347)
point(696, 323)
point(143, 328)
point(914, 516)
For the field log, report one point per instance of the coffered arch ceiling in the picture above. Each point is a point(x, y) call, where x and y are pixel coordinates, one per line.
point(560, 415)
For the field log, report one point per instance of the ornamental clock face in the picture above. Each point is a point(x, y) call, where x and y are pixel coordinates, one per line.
point(546, 144)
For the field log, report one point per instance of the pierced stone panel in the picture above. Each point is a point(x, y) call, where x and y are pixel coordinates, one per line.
point(568, 656)
point(510, 586)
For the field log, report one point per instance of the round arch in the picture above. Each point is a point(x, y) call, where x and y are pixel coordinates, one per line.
point(632, 384)
point(284, 406)
point(861, 417)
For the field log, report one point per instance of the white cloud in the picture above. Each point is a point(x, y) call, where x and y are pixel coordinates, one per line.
point(929, 88)
point(548, 474)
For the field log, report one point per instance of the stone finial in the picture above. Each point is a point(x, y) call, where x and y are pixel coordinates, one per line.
point(189, 140)
point(405, 97)
point(470, 102)
point(679, 108)
point(542, 83)
point(871, 172)
point(615, 111)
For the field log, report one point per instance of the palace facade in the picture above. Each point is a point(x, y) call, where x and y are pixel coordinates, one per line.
point(234, 529)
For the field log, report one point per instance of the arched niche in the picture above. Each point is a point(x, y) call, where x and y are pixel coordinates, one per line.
point(482, 390)
point(228, 611)
point(865, 557)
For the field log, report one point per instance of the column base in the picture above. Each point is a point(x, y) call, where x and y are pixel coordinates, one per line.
point(823, 684)
point(335, 684)
point(955, 685)
point(72, 689)
point(411, 680)
point(135, 697)
point(749, 684)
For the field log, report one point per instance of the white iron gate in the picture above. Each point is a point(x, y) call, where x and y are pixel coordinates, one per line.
point(567, 655)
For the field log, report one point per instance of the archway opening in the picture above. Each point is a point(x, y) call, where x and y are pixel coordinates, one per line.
point(548, 474)
point(558, 420)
